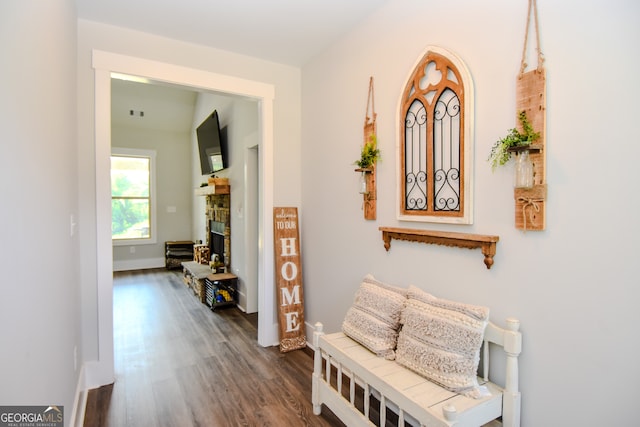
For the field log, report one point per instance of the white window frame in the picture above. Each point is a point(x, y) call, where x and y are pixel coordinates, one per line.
point(151, 155)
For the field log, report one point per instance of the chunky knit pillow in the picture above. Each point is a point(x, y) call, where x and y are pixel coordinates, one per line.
point(441, 340)
point(374, 318)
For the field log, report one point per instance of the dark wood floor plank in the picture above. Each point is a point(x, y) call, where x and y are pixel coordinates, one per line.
point(177, 363)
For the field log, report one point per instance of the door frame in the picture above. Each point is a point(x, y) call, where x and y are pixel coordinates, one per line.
point(104, 63)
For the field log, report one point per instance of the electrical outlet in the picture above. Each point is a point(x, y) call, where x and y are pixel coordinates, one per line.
point(132, 249)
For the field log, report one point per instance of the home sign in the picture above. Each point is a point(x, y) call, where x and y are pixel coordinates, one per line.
point(289, 279)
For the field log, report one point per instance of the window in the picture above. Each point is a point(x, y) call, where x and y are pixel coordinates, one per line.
point(436, 144)
point(132, 196)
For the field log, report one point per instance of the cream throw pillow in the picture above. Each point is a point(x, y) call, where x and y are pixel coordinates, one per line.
point(441, 340)
point(374, 318)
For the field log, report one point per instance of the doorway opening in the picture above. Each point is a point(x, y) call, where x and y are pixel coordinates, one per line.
point(104, 64)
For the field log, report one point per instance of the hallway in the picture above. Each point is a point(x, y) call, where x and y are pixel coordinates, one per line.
point(177, 363)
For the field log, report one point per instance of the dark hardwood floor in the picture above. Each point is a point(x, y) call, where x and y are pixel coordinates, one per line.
point(177, 363)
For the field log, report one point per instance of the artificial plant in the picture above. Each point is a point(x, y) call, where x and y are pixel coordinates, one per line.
point(370, 153)
point(500, 153)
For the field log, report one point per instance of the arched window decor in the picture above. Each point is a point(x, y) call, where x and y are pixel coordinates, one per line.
point(436, 141)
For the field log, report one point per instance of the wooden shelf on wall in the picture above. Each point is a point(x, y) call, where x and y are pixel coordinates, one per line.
point(533, 148)
point(212, 189)
point(447, 238)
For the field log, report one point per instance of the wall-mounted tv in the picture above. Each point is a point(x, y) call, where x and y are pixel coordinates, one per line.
point(212, 145)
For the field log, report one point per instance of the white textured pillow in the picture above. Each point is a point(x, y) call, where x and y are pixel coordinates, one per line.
point(441, 340)
point(374, 318)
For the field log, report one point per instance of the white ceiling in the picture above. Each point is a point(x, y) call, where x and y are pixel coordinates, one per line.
point(285, 31)
point(163, 107)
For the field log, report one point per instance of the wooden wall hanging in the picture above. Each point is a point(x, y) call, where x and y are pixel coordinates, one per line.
point(289, 279)
point(530, 204)
point(369, 195)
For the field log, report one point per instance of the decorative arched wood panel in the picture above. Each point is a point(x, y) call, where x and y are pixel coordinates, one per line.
point(436, 142)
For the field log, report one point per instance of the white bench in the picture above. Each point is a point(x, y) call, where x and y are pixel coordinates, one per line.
point(338, 360)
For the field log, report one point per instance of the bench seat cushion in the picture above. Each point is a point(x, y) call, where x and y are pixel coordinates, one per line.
point(374, 318)
point(441, 341)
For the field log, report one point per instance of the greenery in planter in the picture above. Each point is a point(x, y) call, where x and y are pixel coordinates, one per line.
point(500, 155)
point(370, 153)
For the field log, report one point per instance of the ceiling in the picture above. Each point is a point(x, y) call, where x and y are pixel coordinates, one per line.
point(289, 32)
point(152, 106)
point(284, 31)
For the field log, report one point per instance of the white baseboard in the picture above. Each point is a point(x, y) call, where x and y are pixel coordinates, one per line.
point(79, 401)
point(138, 264)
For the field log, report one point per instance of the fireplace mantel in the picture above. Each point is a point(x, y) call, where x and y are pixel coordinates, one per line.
point(209, 190)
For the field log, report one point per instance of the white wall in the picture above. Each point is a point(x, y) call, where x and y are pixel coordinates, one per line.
point(573, 286)
point(39, 296)
point(173, 189)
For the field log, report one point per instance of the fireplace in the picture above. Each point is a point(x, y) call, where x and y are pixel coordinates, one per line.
point(217, 240)
point(218, 222)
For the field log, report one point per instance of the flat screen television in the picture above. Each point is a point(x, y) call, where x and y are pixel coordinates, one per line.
point(212, 145)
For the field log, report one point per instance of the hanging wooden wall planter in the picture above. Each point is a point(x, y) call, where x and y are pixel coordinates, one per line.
point(368, 159)
point(530, 203)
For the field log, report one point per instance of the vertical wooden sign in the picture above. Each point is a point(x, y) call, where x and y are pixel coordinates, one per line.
point(531, 88)
point(531, 203)
point(370, 198)
point(289, 279)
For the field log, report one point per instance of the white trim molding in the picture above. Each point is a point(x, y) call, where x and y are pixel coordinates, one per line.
point(101, 371)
